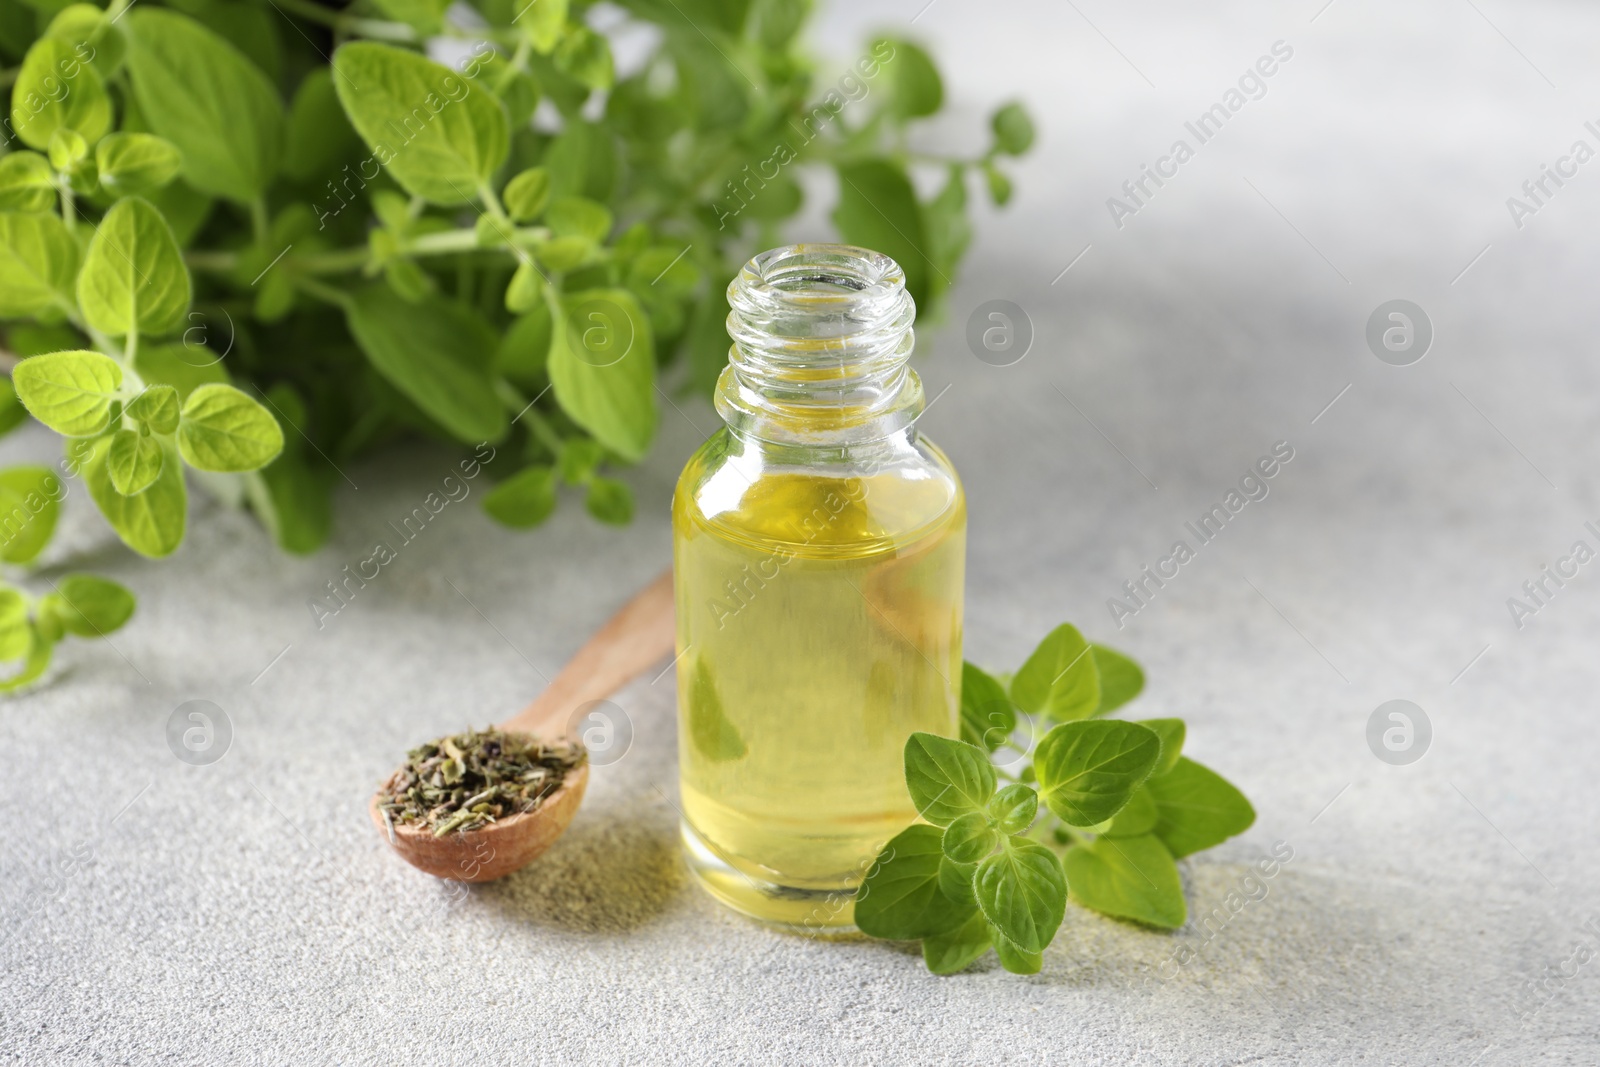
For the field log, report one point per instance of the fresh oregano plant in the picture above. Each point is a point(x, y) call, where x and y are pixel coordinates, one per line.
point(260, 238)
point(78, 604)
point(1098, 812)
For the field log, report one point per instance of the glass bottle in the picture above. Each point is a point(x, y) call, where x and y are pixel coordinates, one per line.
point(819, 554)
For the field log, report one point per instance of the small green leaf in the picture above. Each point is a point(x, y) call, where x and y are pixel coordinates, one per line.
point(1198, 808)
point(89, 606)
point(1059, 679)
point(1014, 808)
point(134, 461)
point(524, 349)
point(37, 663)
point(26, 183)
point(38, 266)
point(523, 500)
point(947, 779)
point(30, 504)
point(57, 89)
point(1171, 732)
point(133, 275)
point(525, 291)
point(151, 523)
point(610, 501)
point(603, 368)
point(543, 21)
point(67, 149)
point(1023, 893)
point(1013, 958)
point(585, 57)
point(1013, 130)
point(1139, 817)
point(223, 429)
point(955, 880)
point(949, 231)
point(957, 949)
point(16, 636)
point(1121, 679)
point(319, 137)
point(185, 367)
point(437, 353)
point(434, 132)
point(900, 898)
point(878, 209)
point(86, 25)
point(136, 163)
point(292, 495)
point(1089, 770)
point(201, 93)
point(526, 195)
point(577, 216)
point(70, 392)
point(999, 184)
point(578, 460)
point(914, 84)
point(714, 736)
point(425, 16)
point(969, 838)
point(157, 407)
point(1130, 877)
point(987, 715)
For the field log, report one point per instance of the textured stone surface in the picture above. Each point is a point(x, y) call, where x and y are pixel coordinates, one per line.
point(245, 913)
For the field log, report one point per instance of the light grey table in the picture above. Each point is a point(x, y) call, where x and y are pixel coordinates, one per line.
point(244, 912)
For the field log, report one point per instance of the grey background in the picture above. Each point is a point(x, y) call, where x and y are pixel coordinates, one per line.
point(244, 912)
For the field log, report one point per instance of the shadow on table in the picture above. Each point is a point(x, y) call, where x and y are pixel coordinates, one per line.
point(608, 874)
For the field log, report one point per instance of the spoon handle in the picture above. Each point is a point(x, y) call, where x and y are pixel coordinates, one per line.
point(635, 638)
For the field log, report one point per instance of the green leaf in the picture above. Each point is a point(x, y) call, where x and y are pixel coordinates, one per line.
point(878, 209)
point(603, 367)
point(987, 715)
point(525, 292)
point(610, 501)
point(900, 898)
point(1198, 808)
point(1089, 770)
point(525, 348)
point(1130, 877)
point(944, 219)
point(319, 136)
point(136, 163)
point(436, 134)
point(1171, 732)
point(16, 636)
point(26, 183)
point(1014, 808)
point(947, 779)
point(526, 195)
point(85, 24)
point(293, 499)
point(38, 266)
point(70, 392)
point(185, 210)
point(1139, 817)
point(583, 161)
point(585, 57)
point(543, 22)
point(201, 93)
point(30, 504)
point(969, 838)
point(425, 16)
point(578, 460)
point(133, 275)
point(1013, 958)
point(134, 461)
point(713, 735)
point(955, 881)
point(157, 408)
point(1013, 130)
point(957, 949)
point(1023, 893)
point(1059, 679)
point(915, 89)
point(37, 663)
point(1121, 679)
point(223, 429)
point(185, 367)
point(57, 89)
point(89, 606)
point(999, 184)
point(436, 353)
point(577, 216)
point(151, 523)
point(523, 500)
point(67, 149)
point(12, 413)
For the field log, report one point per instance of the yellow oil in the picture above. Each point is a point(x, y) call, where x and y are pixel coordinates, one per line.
point(819, 625)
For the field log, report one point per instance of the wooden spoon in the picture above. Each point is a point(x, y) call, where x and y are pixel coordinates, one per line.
point(635, 637)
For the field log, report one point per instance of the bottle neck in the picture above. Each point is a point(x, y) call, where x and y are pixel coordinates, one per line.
point(822, 337)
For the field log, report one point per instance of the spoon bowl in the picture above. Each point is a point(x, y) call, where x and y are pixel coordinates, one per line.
point(636, 637)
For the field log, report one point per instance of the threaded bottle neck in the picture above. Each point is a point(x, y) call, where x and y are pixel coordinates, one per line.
point(821, 340)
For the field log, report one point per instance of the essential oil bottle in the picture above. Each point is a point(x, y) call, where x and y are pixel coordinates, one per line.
point(819, 554)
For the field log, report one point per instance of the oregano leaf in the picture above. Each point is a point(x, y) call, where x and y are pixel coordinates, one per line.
point(133, 461)
point(223, 429)
point(1131, 878)
point(1089, 770)
point(946, 778)
point(1023, 893)
point(900, 897)
point(70, 392)
point(1059, 679)
point(133, 275)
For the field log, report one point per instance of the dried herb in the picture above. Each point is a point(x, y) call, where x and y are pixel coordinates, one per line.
point(470, 780)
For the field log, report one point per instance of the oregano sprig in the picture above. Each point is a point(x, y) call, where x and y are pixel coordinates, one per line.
point(1097, 812)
